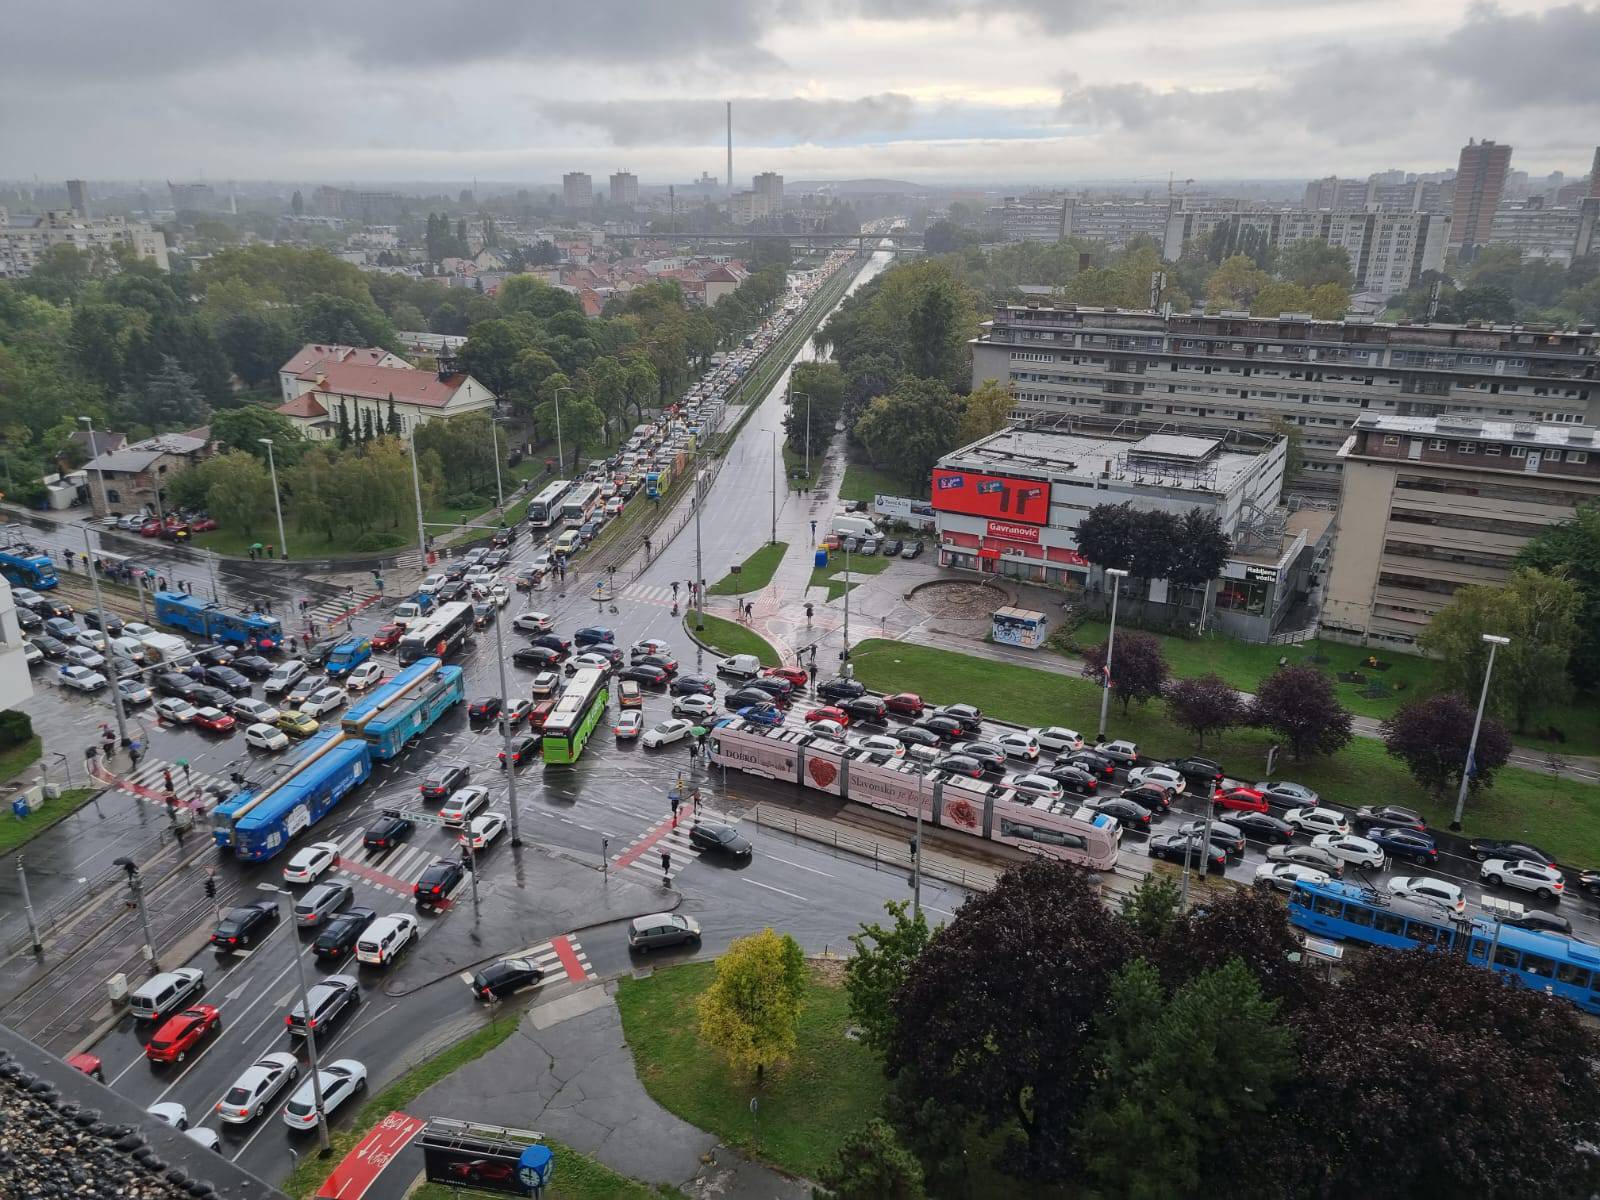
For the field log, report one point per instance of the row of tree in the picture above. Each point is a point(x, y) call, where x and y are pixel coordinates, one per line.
point(1151, 1053)
point(1498, 284)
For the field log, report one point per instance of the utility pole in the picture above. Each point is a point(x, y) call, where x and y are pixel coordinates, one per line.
point(416, 487)
point(311, 1034)
point(844, 655)
point(1117, 576)
point(775, 457)
point(511, 767)
point(136, 886)
point(916, 858)
point(99, 600)
point(494, 436)
point(561, 464)
point(27, 908)
point(1470, 768)
point(277, 504)
point(94, 452)
point(697, 592)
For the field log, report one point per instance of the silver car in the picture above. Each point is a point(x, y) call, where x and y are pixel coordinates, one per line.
point(321, 901)
point(659, 930)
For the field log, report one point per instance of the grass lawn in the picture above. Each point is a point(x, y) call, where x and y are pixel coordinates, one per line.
point(862, 482)
point(576, 1177)
point(1562, 815)
point(754, 573)
point(18, 758)
point(794, 469)
point(729, 637)
point(306, 543)
point(860, 564)
point(308, 1176)
point(15, 830)
point(806, 1108)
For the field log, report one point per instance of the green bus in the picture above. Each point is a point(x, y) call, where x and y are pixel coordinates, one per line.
point(577, 712)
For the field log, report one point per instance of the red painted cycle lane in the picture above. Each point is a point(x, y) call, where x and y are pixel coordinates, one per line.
point(361, 1167)
point(644, 843)
point(569, 958)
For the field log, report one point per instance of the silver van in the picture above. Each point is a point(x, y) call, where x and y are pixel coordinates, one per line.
point(659, 930)
point(165, 993)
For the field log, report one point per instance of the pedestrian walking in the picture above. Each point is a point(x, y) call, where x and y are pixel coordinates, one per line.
point(188, 773)
point(135, 752)
point(676, 800)
point(695, 798)
point(666, 868)
point(166, 778)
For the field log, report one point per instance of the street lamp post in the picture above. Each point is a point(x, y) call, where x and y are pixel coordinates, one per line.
point(774, 487)
point(93, 453)
point(697, 593)
point(494, 437)
point(844, 656)
point(416, 488)
point(1117, 575)
point(100, 603)
point(1495, 642)
point(325, 1148)
point(561, 464)
point(136, 886)
point(277, 503)
point(505, 727)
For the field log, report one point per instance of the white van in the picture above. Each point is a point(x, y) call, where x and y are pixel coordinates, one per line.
point(567, 543)
point(861, 528)
point(381, 941)
point(164, 647)
point(739, 666)
point(165, 993)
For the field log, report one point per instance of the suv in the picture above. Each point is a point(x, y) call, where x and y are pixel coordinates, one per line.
point(659, 930)
point(443, 781)
point(326, 1002)
point(834, 690)
point(381, 942)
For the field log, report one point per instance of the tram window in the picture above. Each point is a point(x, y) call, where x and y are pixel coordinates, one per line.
point(1534, 965)
point(1388, 922)
point(1358, 914)
point(1505, 956)
point(1328, 906)
point(1422, 933)
point(1576, 976)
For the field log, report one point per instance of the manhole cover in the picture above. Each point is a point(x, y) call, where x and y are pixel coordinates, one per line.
point(957, 599)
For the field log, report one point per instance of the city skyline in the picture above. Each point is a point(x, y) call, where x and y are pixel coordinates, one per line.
point(822, 89)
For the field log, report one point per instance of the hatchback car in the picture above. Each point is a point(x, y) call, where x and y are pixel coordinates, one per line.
point(441, 781)
point(834, 690)
point(213, 720)
point(253, 1092)
point(865, 709)
point(241, 926)
point(311, 861)
point(1348, 848)
point(1038, 787)
point(321, 901)
point(645, 673)
point(991, 756)
point(1317, 820)
point(464, 804)
point(1057, 738)
point(248, 709)
point(524, 750)
point(693, 685)
point(661, 930)
point(365, 675)
point(1307, 856)
point(545, 684)
point(1390, 816)
point(438, 880)
point(1128, 814)
point(1178, 847)
point(178, 712)
point(261, 736)
point(297, 724)
point(482, 832)
point(1433, 891)
point(1015, 743)
point(1284, 794)
point(694, 708)
point(1404, 843)
point(1525, 875)
point(501, 979)
point(533, 622)
point(1284, 875)
point(339, 1081)
point(720, 839)
point(1167, 777)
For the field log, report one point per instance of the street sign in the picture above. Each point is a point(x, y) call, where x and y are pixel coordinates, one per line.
point(416, 818)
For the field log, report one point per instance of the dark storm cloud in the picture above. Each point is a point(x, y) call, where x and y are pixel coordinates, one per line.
point(1525, 59)
point(640, 121)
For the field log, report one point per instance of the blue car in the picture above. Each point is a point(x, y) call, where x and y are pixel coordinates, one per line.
point(591, 635)
point(762, 714)
point(1404, 843)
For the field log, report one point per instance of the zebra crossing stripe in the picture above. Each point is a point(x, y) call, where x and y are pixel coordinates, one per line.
point(148, 783)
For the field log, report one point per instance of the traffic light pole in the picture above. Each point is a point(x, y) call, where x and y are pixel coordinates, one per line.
point(505, 729)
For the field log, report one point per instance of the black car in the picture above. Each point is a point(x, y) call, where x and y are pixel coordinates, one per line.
point(107, 623)
point(50, 647)
point(388, 831)
point(540, 658)
point(503, 536)
point(1096, 764)
point(1201, 773)
point(317, 652)
point(329, 999)
point(484, 708)
point(1484, 849)
point(892, 547)
point(641, 672)
point(228, 679)
point(865, 710)
point(669, 665)
point(607, 651)
point(451, 592)
point(1589, 881)
point(524, 750)
point(724, 839)
point(441, 781)
point(501, 979)
point(1176, 847)
point(746, 697)
point(454, 571)
point(243, 925)
point(218, 655)
point(970, 718)
point(912, 550)
point(1150, 795)
point(915, 735)
point(1390, 816)
point(960, 764)
point(171, 683)
point(834, 690)
point(693, 685)
point(338, 936)
point(46, 607)
point(253, 665)
point(29, 620)
point(1262, 827)
point(438, 880)
point(778, 689)
point(991, 756)
point(1223, 833)
point(497, 557)
point(482, 614)
point(1074, 779)
point(553, 640)
point(945, 728)
point(204, 696)
point(1132, 816)
point(1544, 922)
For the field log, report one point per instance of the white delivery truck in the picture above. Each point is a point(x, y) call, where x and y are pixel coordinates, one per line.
point(739, 666)
point(164, 647)
point(849, 525)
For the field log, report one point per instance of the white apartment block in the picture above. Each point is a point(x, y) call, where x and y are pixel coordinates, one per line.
point(1555, 234)
point(577, 190)
point(24, 239)
point(625, 189)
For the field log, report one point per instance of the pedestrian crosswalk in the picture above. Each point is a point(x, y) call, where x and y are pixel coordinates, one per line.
point(391, 871)
point(148, 781)
point(667, 847)
point(660, 593)
point(327, 613)
point(561, 958)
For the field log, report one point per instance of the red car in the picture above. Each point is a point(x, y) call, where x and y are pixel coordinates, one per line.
point(214, 719)
point(182, 1033)
point(828, 713)
point(151, 528)
point(794, 675)
point(483, 1170)
point(1240, 799)
point(89, 1064)
point(906, 704)
point(387, 638)
point(203, 524)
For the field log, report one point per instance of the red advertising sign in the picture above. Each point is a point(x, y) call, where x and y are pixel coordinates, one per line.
point(996, 496)
point(1010, 531)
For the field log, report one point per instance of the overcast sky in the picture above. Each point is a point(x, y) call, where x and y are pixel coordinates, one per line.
point(937, 90)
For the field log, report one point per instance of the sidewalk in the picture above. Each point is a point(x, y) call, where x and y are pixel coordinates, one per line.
point(568, 1073)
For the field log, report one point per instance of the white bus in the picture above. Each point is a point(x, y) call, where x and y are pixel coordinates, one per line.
point(545, 508)
point(441, 634)
point(580, 505)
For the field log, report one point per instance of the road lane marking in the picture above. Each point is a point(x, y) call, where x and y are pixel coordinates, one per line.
point(802, 866)
point(779, 890)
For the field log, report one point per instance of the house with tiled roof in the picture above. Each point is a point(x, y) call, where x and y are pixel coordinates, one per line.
point(722, 281)
point(362, 397)
point(127, 479)
point(313, 354)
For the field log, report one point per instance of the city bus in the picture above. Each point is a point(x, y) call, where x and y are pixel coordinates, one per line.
point(577, 712)
point(580, 505)
point(545, 508)
point(1541, 962)
point(439, 636)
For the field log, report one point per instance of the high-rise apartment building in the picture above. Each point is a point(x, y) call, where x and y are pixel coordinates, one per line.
point(193, 197)
point(1480, 181)
point(1594, 174)
point(78, 196)
point(625, 189)
point(1235, 371)
point(1555, 233)
point(577, 190)
point(769, 186)
point(745, 208)
point(1027, 218)
point(24, 239)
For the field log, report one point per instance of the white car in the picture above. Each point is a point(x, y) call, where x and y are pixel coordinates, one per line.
point(170, 1112)
point(1317, 820)
point(613, 506)
point(1524, 875)
point(31, 654)
point(649, 646)
point(129, 649)
point(1348, 848)
point(630, 723)
point(483, 830)
point(696, 706)
point(364, 676)
point(673, 729)
point(598, 662)
point(323, 701)
point(1434, 891)
point(1057, 738)
point(262, 736)
point(533, 623)
point(311, 861)
point(1284, 875)
point(82, 678)
point(545, 683)
point(877, 743)
point(175, 709)
point(93, 639)
point(1018, 745)
point(1164, 776)
point(284, 676)
point(136, 629)
point(82, 656)
point(432, 583)
point(463, 804)
point(250, 709)
point(247, 1099)
point(134, 692)
point(340, 1080)
point(479, 577)
point(1040, 787)
point(499, 595)
point(206, 1137)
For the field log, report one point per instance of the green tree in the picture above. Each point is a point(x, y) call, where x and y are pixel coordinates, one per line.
point(242, 428)
point(1573, 547)
point(1329, 301)
point(1235, 284)
point(391, 424)
point(62, 273)
point(343, 321)
point(751, 1011)
point(297, 203)
point(1539, 612)
point(985, 410)
point(816, 398)
point(240, 495)
point(1312, 262)
point(909, 429)
point(1298, 703)
point(871, 1165)
point(882, 959)
point(1431, 736)
point(1280, 297)
point(1151, 907)
point(167, 400)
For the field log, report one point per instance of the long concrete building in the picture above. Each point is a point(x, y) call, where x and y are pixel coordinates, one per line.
point(1235, 371)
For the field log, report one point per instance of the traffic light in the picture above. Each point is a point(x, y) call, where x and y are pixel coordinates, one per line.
point(211, 887)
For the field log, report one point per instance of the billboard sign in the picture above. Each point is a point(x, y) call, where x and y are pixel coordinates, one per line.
point(1010, 531)
point(997, 497)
